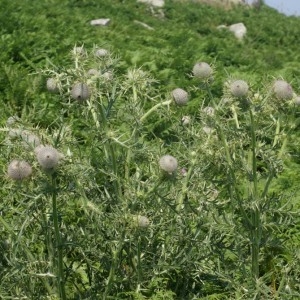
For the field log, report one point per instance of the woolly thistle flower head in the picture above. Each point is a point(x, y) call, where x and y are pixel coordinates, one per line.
point(180, 96)
point(282, 90)
point(47, 156)
point(79, 51)
point(209, 111)
point(52, 85)
point(101, 52)
point(19, 169)
point(80, 91)
point(168, 163)
point(141, 221)
point(239, 88)
point(202, 70)
point(93, 72)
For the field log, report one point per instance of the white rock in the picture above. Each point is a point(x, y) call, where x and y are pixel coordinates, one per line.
point(101, 22)
point(239, 30)
point(156, 3)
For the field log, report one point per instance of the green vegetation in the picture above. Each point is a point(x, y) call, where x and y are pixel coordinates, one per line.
point(113, 187)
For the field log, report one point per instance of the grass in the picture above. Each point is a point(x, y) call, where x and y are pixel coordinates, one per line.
point(223, 226)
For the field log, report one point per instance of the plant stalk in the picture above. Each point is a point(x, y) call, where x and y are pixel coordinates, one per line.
point(58, 243)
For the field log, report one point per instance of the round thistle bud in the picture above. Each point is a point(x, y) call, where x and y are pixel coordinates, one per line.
point(186, 120)
point(180, 96)
point(239, 88)
point(108, 75)
point(19, 169)
point(11, 121)
point(52, 85)
point(141, 221)
point(93, 72)
point(207, 130)
point(282, 90)
point(47, 156)
point(208, 110)
point(297, 101)
point(80, 91)
point(79, 51)
point(101, 52)
point(168, 163)
point(202, 70)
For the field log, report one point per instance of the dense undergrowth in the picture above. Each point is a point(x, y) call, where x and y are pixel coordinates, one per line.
point(100, 219)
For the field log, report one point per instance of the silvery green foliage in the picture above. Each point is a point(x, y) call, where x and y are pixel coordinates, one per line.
point(283, 90)
point(80, 91)
point(19, 169)
point(239, 88)
point(168, 163)
point(180, 96)
point(202, 70)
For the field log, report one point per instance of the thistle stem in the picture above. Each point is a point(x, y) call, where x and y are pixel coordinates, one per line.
point(255, 229)
point(155, 107)
point(58, 243)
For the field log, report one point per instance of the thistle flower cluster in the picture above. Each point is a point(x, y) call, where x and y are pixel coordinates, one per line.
point(79, 83)
point(19, 169)
point(29, 139)
point(47, 156)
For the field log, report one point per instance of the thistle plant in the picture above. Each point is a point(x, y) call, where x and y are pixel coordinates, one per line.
point(116, 215)
point(248, 164)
